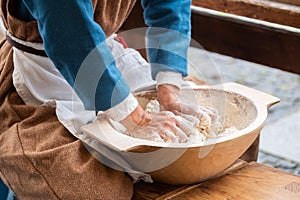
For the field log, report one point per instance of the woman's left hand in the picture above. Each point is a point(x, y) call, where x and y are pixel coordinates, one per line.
point(168, 97)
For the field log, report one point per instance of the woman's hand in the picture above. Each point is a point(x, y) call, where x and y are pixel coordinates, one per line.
point(160, 127)
point(168, 97)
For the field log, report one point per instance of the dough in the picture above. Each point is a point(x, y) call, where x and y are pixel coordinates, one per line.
point(204, 128)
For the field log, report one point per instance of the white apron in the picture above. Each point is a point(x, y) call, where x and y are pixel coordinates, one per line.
point(38, 82)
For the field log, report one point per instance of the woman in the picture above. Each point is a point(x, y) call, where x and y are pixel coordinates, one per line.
point(40, 157)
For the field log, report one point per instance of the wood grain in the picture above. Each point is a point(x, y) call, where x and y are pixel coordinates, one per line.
point(273, 47)
point(158, 190)
point(155, 190)
point(253, 181)
point(270, 46)
point(292, 2)
point(267, 10)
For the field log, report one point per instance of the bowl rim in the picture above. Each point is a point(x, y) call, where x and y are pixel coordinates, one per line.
point(248, 93)
point(257, 123)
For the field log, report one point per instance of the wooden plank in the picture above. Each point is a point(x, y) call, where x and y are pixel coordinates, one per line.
point(156, 190)
point(271, 46)
point(292, 2)
point(267, 10)
point(267, 45)
point(147, 191)
point(252, 181)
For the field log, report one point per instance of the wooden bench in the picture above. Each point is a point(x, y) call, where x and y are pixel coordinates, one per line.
point(261, 31)
point(243, 181)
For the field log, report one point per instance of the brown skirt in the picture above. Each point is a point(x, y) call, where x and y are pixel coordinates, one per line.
point(40, 159)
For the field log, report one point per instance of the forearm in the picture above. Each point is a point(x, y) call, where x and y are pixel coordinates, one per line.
point(76, 45)
point(168, 37)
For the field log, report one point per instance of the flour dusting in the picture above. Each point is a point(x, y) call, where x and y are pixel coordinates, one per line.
point(204, 128)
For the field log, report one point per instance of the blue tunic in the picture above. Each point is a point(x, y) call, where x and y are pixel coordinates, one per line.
point(70, 34)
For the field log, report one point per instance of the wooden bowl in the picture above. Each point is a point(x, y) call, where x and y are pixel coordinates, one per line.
point(187, 163)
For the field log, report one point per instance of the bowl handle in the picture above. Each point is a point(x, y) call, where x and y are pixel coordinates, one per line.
point(257, 96)
point(103, 132)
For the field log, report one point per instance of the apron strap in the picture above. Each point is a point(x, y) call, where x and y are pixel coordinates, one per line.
point(38, 52)
point(25, 48)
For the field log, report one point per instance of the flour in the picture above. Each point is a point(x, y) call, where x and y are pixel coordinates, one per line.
point(204, 128)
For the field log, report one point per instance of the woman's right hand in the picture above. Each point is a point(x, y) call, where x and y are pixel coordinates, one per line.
point(159, 127)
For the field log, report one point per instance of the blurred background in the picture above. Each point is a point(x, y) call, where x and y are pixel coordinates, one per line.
point(280, 138)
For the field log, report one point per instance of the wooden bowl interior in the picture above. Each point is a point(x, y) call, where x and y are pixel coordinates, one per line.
point(233, 109)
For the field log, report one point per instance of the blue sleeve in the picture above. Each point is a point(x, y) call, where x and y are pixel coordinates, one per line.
point(168, 35)
point(76, 45)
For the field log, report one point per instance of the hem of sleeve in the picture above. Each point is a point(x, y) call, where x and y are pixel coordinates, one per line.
point(169, 77)
point(123, 109)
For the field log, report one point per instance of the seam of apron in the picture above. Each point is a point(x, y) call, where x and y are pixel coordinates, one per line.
point(55, 194)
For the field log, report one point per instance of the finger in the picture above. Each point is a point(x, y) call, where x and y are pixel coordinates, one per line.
point(155, 137)
point(186, 126)
point(205, 119)
point(197, 110)
point(147, 134)
point(181, 136)
point(210, 111)
point(168, 136)
point(176, 112)
point(164, 116)
point(194, 120)
point(187, 108)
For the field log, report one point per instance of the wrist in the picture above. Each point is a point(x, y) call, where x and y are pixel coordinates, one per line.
point(123, 109)
point(169, 78)
point(135, 119)
point(168, 96)
point(168, 90)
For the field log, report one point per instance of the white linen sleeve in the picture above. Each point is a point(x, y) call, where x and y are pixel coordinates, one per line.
point(123, 109)
point(169, 77)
